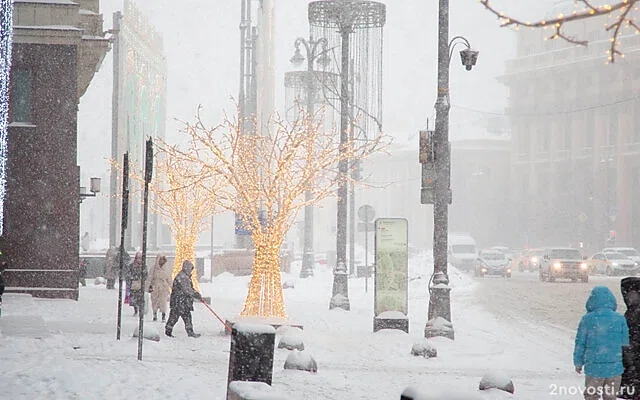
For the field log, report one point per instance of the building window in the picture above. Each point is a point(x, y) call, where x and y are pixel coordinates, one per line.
point(568, 133)
point(614, 125)
point(636, 117)
point(21, 95)
point(589, 129)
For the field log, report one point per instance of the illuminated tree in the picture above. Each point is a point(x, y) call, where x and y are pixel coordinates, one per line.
point(265, 178)
point(622, 12)
point(184, 198)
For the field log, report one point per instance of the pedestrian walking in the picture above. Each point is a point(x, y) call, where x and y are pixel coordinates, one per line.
point(630, 386)
point(181, 301)
point(601, 335)
point(111, 266)
point(160, 287)
point(82, 272)
point(135, 273)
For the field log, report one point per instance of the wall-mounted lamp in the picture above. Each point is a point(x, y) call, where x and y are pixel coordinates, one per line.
point(94, 188)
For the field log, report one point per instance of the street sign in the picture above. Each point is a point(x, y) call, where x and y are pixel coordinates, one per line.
point(366, 213)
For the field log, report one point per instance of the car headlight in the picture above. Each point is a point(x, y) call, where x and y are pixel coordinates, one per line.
point(583, 265)
point(508, 270)
point(484, 269)
point(615, 264)
point(534, 259)
point(635, 264)
point(557, 265)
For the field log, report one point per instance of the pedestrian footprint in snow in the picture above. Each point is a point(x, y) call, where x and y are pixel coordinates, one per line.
point(160, 287)
point(181, 301)
point(601, 335)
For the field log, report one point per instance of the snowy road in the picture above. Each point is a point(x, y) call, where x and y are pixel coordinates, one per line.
point(524, 298)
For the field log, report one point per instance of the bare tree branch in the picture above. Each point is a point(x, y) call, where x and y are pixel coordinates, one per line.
point(622, 10)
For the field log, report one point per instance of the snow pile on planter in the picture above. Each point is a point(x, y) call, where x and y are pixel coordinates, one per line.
point(149, 332)
point(241, 390)
point(301, 360)
point(496, 380)
point(99, 281)
point(424, 348)
point(292, 339)
point(339, 301)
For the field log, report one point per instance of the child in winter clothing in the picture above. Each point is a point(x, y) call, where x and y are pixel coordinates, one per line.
point(602, 333)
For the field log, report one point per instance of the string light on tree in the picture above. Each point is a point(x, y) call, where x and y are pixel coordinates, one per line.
point(6, 45)
point(266, 177)
point(621, 12)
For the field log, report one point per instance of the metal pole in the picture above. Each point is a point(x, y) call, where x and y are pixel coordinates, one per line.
point(366, 250)
point(115, 100)
point(148, 172)
point(340, 273)
point(308, 259)
point(352, 186)
point(123, 228)
point(439, 305)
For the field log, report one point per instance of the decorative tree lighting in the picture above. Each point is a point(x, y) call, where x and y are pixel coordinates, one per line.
point(6, 32)
point(265, 182)
point(354, 26)
point(181, 196)
point(622, 17)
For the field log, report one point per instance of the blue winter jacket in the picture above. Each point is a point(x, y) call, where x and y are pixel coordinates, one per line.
point(601, 335)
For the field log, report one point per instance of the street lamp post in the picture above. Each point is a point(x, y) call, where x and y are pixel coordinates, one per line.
point(439, 290)
point(315, 50)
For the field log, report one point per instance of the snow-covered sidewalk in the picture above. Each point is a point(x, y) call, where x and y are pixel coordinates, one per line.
point(61, 349)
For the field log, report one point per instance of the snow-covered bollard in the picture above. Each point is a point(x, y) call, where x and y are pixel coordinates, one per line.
point(301, 360)
point(292, 339)
point(242, 390)
point(149, 332)
point(424, 349)
point(251, 353)
point(496, 380)
point(420, 393)
point(99, 281)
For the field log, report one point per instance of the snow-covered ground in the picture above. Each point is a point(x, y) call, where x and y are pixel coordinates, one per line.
point(61, 349)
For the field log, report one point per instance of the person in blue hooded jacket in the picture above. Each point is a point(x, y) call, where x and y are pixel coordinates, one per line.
point(602, 333)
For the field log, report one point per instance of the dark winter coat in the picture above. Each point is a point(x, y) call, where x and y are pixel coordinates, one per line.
point(182, 291)
point(601, 335)
point(630, 288)
point(135, 273)
point(1, 283)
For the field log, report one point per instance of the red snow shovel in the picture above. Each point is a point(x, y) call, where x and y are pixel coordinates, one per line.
point(217, 316)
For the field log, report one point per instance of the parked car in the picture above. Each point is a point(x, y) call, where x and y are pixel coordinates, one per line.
point(612, 263)
point(563, 263)
point(493, 262)
point(627, 251)
point(530, 260)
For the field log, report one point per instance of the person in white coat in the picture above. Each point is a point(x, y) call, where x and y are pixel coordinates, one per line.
point(160, 287)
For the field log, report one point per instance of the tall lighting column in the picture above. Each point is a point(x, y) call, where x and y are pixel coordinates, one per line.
point(439, 290)
point(311, 81)
point(342, 21)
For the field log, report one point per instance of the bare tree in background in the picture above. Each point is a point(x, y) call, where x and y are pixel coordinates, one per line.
point(183, 199)
point(265, 179)
point(622, 12)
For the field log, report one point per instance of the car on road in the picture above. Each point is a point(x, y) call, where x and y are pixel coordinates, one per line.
point(492, 262)
point(563, 263)
point(627, 251)
point(530, 260)
point(463, 251)
point(612, 263)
